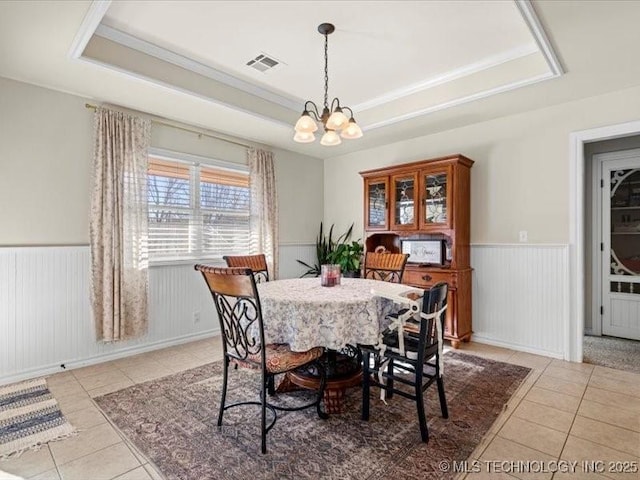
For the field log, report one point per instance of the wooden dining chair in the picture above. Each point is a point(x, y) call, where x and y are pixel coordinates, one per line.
point(257, 263)
point(388, 267)
point(417, 365)
point(235, 296)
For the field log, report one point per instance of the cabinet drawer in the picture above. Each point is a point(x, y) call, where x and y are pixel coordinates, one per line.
point(426, 278)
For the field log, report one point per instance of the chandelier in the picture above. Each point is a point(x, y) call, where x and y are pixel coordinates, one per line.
point(332, 117)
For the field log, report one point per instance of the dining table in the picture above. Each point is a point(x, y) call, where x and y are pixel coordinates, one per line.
point(304, 314)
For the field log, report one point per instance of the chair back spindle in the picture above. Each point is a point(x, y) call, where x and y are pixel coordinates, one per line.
point(387, 267)
point(236, 299)
point(257, 263)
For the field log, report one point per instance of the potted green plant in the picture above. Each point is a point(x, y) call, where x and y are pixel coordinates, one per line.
point(349, 257)
point(326, 252)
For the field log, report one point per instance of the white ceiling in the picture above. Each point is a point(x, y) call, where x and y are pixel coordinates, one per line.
point(393, 46)
point(408, 68)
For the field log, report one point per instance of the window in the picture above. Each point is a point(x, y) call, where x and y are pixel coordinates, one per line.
point(196, 210)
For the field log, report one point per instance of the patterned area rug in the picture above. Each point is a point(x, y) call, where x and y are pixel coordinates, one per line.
point(612, 352)
point(29, 418)
point(173, 421)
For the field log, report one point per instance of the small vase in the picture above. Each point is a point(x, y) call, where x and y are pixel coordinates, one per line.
point(330, 275)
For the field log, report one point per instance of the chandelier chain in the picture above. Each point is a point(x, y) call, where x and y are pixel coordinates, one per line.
point(326, 70)
point(332, 116)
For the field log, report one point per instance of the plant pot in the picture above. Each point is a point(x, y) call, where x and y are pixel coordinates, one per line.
point(352, 274)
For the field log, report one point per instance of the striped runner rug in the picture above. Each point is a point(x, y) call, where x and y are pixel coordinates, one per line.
point(29, 418)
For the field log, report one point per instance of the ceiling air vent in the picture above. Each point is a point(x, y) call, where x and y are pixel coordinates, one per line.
point(263, 63)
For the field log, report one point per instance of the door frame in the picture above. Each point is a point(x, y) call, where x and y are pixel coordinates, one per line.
point(574, 324)
point(596, 253)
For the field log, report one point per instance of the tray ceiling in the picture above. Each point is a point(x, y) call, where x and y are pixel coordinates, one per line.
point(407, 68)
point(399, 61)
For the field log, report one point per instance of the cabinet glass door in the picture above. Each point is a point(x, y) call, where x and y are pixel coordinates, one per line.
point(436, 194)
point(403, 189)
point(377, 203)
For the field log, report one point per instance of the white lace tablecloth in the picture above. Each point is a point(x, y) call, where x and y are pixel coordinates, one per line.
point(305, 314)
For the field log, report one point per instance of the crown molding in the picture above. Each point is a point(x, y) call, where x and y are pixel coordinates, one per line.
point(535, 27)
point(173, 89)
point(166, 55)
point(451, 75)
point(90, 23)
point(460, 101)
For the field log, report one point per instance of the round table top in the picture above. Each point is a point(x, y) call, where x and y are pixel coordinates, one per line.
point(304, 314)
point(309, 290)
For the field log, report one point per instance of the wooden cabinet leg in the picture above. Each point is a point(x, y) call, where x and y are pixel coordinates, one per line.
point(455, 344)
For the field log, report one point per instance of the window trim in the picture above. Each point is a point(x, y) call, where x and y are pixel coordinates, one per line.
point(172, 155)
point(193, 161)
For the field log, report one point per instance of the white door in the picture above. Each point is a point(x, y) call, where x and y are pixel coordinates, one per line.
point(621, 244)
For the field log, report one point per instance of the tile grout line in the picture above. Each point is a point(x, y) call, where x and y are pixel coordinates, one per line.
point(566, 381)
point(128, 471)
point(528, 446)
point(564, 445)
point(496, 434)
point(131, 446)
point(128, 443)
point(55, 464)
point(83, 456)
point(94, 404)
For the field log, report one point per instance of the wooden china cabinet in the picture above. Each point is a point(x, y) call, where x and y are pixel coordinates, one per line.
point(425, 207)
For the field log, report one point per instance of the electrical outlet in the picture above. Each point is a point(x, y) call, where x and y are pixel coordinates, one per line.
point(196, 316)
point(522, 235)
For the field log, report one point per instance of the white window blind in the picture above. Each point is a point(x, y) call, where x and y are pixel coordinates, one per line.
point(196, 211)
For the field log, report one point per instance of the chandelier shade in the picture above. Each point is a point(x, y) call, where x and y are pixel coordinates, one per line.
point(333, 119)
point(306, 124)
point(351, 131)
point(304, 137)
point(337, 120)
point(330, 138)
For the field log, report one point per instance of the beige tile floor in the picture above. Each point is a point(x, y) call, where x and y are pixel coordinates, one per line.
point(563, 412)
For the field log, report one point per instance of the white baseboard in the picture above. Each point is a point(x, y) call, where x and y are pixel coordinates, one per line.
point(515, 346)
point(85, 362)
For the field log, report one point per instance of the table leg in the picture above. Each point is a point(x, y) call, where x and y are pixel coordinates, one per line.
point(343, 371)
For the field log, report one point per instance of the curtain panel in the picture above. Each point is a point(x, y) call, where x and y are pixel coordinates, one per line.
point(118, 225)
point(264, 207)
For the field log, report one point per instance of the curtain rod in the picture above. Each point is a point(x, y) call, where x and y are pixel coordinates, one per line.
point(165, 122)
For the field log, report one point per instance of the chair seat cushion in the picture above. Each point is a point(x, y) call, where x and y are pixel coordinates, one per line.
point(411, 343)
point(280, 358)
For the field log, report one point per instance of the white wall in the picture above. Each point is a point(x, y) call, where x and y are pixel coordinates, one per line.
point(46, 141)
point(521, 176)
point(520, 181)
